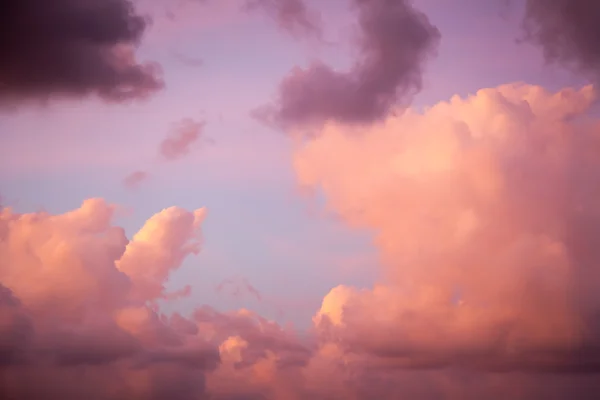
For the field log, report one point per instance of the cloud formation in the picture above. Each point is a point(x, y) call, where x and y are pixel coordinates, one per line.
point(567, 31)
point(177, 144)
point(135, 179)
point(76, 296)
point(73, 48)
point(486, 221)
point(395, 40)
point(179, 141)
point(237, 287)
point(78, 317)
point(291, 15)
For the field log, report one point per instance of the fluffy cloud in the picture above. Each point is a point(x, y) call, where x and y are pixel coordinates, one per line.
point(73, 48)
point(79, 319)
point(75, 306)
point(487, 223)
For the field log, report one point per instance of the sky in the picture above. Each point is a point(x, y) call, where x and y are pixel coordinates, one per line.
point(299, 199)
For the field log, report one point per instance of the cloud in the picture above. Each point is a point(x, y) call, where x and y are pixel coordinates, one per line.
point(78, 319)
point(159, 248)
point(76, 295)
point(177, 144)
point(567, 31)
point(485, 215)
point(134, 179)
point(237, 287)
point(73, 49)
point(395, 40)
point(291, 15)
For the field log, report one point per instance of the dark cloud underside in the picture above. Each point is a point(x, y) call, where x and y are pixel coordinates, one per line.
point(568, 31)
point(395, 41)
point(74, 48)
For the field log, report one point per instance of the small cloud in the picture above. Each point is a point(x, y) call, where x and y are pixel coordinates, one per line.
point(134, 180)
point(179, 141)
point(238, 287)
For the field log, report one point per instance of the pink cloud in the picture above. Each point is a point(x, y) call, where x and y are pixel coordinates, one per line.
point(134, 180)
point(479, 207)
point(74, 298)
point(158, 248)
point(76, 294)
point(176, 145)
point(484, 209)
point(179, 141)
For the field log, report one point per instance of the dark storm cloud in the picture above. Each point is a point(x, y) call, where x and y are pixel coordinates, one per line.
point(568, 31)
point(395, 41)
point(73, 48)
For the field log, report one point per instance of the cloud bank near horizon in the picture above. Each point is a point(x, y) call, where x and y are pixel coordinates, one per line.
point(485, 218)
point(484, 213)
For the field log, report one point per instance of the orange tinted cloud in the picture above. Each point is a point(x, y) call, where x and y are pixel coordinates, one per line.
point(484, 209)
point(73, 297)
point(77, 295)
